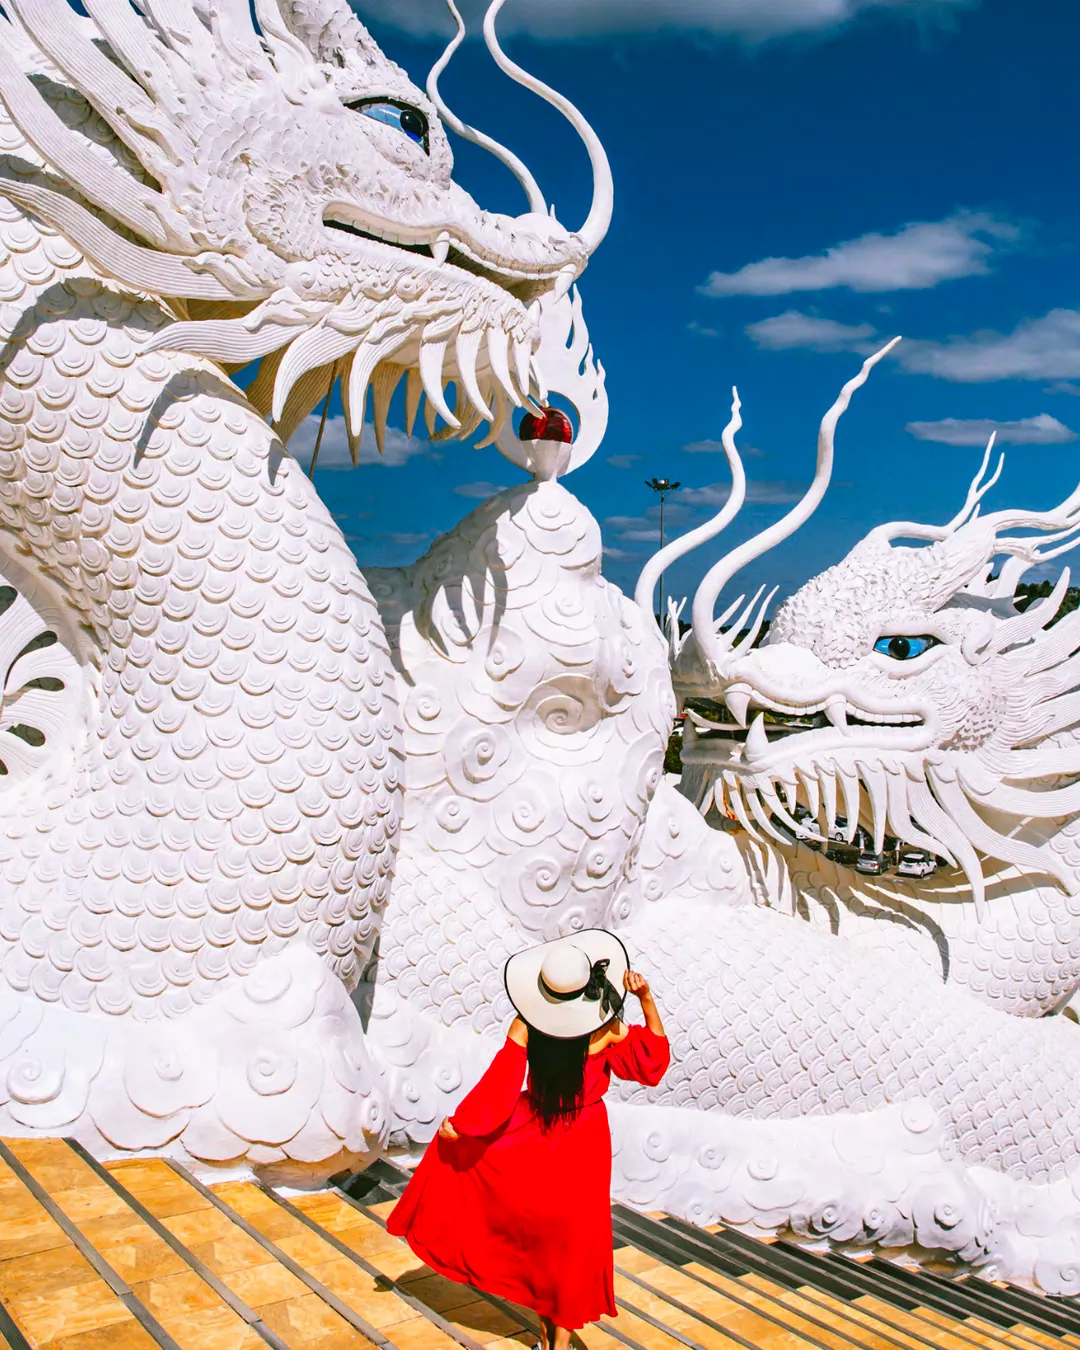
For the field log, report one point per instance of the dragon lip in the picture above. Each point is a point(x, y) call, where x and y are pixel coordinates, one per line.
point(442, 247)
point(714, 721)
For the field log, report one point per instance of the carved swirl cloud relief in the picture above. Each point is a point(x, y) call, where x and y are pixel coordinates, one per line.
point(536, 706)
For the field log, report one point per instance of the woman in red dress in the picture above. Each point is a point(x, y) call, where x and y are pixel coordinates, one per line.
point(513, 1196)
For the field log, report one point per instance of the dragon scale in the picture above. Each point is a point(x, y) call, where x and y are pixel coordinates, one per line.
point(269, 829)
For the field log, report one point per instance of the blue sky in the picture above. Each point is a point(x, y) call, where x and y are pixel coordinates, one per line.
point(797, 181)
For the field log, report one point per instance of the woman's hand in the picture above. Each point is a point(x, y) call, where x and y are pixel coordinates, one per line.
point(447, 1131)
point(638, 985)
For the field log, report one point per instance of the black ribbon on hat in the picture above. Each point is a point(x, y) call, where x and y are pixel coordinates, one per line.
point(598, 989)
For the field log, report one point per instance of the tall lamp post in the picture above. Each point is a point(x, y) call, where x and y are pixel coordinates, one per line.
point(663, 486)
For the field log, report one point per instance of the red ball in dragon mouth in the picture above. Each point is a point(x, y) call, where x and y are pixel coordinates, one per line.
point(552, 425)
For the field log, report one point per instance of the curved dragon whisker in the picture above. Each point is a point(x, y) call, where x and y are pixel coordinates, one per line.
point(599, 218)
point(902, 824)
point(1014, 632)
point(117, 193)
point(714, 647)
point(318, 346)
point(313, 385)
point(1029, 857)
point(236, 340)
point(1004, 587)
point(1015, 801)
point(678, 548)
point(131, 264)
point(469, 133)
point(135, 44)
point(119, 100)
point(934, 818)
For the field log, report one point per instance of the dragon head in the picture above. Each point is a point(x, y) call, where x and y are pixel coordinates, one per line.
point(288, 191)
point(902, 690)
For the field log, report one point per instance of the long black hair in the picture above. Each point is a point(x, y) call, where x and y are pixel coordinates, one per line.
point(556, 1076)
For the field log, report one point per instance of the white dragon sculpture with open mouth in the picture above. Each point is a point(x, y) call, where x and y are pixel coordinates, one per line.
point(267, 835)
point(200, 734)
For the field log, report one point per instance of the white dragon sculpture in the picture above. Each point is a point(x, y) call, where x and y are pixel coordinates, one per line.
point(239, 785)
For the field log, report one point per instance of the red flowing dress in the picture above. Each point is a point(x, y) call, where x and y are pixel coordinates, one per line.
point(520, 1212)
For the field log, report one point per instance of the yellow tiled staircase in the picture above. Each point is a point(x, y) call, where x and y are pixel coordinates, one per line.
point(138, 1254)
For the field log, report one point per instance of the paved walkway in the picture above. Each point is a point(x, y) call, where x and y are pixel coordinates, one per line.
point(138, 1254)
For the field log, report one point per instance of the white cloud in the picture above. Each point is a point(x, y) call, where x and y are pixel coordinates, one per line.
point(622, 461)
point(1036, 349)
point(793, 329)
point(712, 447)
point(1040, 430)
point(920, 255)
point(334, 450)
point(751, 20)
point(764, 492)
point(479, 491)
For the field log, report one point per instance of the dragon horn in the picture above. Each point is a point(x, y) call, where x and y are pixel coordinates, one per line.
point(599, 218)
point(678, 548)
point(715, 646)
point(468, 133)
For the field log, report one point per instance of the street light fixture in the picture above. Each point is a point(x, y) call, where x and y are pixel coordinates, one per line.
point(663, 486)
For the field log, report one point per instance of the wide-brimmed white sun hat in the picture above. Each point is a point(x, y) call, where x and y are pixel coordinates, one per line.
point(569, 987)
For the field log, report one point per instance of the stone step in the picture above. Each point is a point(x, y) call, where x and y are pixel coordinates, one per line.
point(138, 1254)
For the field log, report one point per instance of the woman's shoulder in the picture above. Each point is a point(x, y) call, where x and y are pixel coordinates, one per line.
point(518, 1033)
point(608, 1036)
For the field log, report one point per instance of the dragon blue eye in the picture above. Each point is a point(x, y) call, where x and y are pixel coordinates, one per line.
point(400, 116)
point(905, 648)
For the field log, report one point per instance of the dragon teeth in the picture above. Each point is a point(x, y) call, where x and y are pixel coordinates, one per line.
point(441, 248)
point(522, 366)
point(414, 390)
point(873, 780)
point(811, 788)
point(738, 701)
point(849, 786)
point(466, 350)
point(827, 779)
point(757, 742)
point(499, 359)
point(432, 355)
point(386, 379)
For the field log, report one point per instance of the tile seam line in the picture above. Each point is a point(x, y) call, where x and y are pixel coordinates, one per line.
point(920, 1293)
point(866, 1283)
point(765, 1314)
point(89, 1252)
point(435, 1318)
point(874, 1323)
point(294, 1268)
point(204, 1272)
point(11, 1331)
point(713, 1325)
point(816, 1302)
point(645, 1228)
point(497, 1302)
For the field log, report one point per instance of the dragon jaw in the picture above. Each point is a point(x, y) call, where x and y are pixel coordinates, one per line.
point(320, 236)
